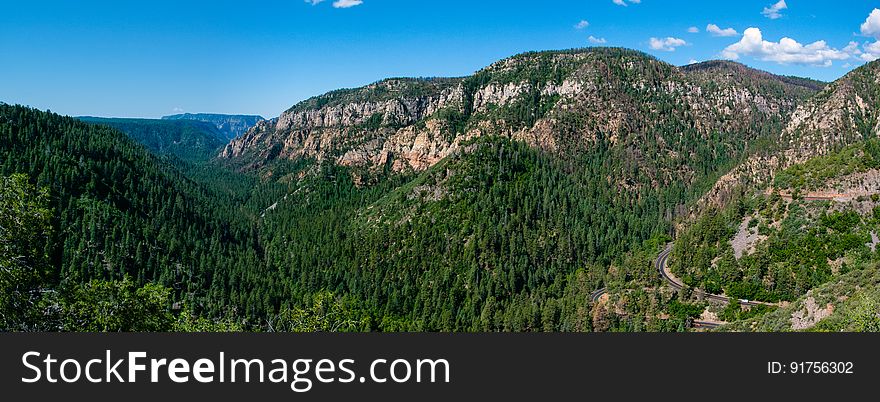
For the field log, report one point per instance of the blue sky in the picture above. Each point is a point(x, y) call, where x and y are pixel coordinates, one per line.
point(148, 59)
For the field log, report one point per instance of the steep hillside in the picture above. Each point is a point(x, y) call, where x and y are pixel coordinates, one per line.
point(849, 303)
point(117, 212)
point(193, 141)
point(796, 224)
point(809, 241)
point(231, 126)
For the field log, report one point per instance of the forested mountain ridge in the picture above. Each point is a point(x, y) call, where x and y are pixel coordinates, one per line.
point(844, 112)
point(189, 140)
point(558, 101)
point(732, 72)
point(230, 125)
point(117, 217)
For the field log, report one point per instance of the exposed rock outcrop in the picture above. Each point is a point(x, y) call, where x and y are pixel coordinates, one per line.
point(551, 100)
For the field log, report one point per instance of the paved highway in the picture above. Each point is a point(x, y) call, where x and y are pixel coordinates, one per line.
point(661, 265)
point(594, 297)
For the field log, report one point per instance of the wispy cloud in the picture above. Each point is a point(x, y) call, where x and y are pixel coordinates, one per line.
point(314, 2)
point(668, 44)
point(582, 24)
point(346, 3)
point(623, 2)
point(786, 51)
point(715, 30)
point(693, 30)
point(774, 11)
point(597, 41)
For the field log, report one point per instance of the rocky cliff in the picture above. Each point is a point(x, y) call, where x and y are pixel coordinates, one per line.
point(557, 101)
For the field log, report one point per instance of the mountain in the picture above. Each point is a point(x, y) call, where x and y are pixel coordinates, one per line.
point(231, 126)
point(798, 223)
point(844, 112)
point(550, 100)
point(194, 141)
point(500, 201)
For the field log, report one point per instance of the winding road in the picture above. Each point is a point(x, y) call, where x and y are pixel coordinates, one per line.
point(661, 264)
point(675, 283)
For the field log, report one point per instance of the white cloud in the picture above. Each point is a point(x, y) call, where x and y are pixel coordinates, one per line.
point(597, 41)
point(314, 2)
point(715, 30)
point(786, 51)
point(872, 51)
point(581, 25)
point(871, 26)
point(852, 48)
point(180, 109)
point(694, 30)
point(623, 2)
point(774, 11)
point(693, 61)
point(666, 44)
point(346, 3)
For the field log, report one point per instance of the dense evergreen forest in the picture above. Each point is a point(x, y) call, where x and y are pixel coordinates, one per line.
point(123, 239)
point(115, 219)
point(504, 237)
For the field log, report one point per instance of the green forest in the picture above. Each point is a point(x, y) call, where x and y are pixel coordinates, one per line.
point(807, 242)
point(122, 238)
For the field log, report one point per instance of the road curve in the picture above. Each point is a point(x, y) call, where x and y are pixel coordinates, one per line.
point(660, 264)
point(594, 297)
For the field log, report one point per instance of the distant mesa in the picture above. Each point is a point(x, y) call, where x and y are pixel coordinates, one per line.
point(230, 125)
